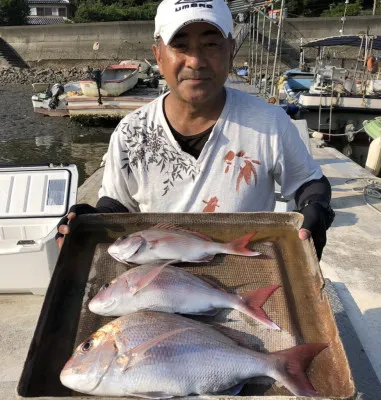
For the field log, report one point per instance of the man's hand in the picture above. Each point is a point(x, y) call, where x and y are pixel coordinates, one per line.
point(316, 222)
point(63, 226)
point(304, 234)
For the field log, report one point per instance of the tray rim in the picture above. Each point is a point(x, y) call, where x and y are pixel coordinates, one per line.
point(292, 219)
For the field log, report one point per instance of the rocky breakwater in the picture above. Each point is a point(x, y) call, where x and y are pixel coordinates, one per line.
point(41, 75)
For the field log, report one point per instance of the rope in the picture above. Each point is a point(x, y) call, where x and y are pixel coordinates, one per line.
point(338, 134)
point(371, 189)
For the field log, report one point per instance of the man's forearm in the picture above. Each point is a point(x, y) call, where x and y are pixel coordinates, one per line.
point(108, 205)
point(318, 190)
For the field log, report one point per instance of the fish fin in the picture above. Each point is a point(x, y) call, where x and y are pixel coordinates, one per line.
point(137, 354)
point(293, 364)
point(151, 395)
point(146, 279)
point(204, 259)
point(233, 391)
point(238, 246)
point(210, 313)
point(212, 283)
point(253, 302)
point(178, 228)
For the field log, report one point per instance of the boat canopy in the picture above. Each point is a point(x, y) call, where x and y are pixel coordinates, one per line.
point(345, 40)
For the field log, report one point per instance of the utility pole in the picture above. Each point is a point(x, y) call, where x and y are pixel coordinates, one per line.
point(374, 7)
point(344, 17)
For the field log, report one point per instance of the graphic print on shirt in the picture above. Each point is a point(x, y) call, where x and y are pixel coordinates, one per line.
point(147, 144)
point(246, 168)
point(210, 205)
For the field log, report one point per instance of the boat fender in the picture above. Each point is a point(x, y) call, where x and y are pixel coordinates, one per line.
point(372, 64)
point(373, 161)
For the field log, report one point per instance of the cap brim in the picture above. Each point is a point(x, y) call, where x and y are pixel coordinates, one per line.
point(170, 30)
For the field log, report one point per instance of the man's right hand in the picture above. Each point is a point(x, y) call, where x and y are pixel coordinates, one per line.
point(63, 226)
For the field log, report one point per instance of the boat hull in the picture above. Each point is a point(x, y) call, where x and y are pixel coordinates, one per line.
point(122, 80)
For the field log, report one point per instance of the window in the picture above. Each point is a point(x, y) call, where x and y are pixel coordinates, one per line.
point(33, 11)
point(48, 11)
point(62, 12)
point(40, 11)
point(55, 11)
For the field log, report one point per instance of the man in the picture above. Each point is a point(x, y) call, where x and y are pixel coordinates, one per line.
point(204, 147)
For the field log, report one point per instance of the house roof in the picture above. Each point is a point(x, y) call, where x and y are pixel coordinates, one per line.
point(45, 20)
point(48, 1)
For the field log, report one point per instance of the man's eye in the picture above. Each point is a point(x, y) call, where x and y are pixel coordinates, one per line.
point(178, 46)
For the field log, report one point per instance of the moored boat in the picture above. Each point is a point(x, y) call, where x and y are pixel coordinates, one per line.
point(114, 80)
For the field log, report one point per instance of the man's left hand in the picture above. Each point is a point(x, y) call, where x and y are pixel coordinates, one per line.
point(316, 222)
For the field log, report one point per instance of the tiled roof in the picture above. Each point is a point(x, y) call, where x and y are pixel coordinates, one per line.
point(48, 1)
point(45, 20)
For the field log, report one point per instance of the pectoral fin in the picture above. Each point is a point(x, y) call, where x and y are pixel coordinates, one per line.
point(145, 280)
point(138, 353)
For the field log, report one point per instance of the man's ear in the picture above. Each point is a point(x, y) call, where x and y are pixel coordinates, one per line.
point(156, 53)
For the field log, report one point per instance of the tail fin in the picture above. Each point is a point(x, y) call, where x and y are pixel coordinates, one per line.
point(253, 301)
point(294, 363)
point(238, 246)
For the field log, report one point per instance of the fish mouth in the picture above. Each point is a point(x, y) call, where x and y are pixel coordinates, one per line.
point(102, 308)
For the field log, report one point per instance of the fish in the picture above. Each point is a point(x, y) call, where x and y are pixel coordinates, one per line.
point(165, 242)
point(158, 356)
point(172, 289)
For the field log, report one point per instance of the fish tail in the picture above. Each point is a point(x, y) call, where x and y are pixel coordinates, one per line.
point(293, 363)
point(252, 302)
point(238, 246)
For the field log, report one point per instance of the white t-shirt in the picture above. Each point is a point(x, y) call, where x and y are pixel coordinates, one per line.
point(252, 145)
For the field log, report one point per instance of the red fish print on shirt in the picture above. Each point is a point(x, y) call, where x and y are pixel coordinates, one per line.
point(211, 205)
point(247, 168)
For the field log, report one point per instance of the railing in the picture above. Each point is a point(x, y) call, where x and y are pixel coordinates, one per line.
point(241, 35)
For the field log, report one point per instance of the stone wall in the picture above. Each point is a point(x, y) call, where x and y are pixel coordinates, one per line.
point(67, 44)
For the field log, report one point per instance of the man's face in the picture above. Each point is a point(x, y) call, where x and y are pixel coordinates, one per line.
point(196, 62)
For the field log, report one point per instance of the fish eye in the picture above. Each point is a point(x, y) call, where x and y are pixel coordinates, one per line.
point(105, 286)
point(87, 345)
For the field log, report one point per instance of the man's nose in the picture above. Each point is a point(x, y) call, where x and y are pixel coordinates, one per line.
point(196, 58)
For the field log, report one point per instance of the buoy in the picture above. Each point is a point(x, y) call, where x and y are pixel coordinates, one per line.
point(373, 161)
point(317, 135)
point(372, 64)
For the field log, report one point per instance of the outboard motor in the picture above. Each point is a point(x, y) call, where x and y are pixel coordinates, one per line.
point(56, 91)
point(96, 76)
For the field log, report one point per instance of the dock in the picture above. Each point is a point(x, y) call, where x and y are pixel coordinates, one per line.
point(351, 264)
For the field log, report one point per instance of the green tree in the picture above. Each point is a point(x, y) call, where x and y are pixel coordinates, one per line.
point(13, 12)
point(337, 10)
point(97, 11)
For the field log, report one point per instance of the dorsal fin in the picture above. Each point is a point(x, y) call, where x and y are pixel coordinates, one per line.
point(173, 227)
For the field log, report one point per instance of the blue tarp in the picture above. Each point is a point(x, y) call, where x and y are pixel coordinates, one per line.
point(345, 40)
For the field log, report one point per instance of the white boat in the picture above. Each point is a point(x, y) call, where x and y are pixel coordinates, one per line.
point(34, 199)
point(114, 80)
point(53, 102)
point(117, 107)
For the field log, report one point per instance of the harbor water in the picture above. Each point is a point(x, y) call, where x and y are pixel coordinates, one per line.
point(28, 138)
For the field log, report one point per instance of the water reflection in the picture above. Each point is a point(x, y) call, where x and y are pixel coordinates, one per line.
point(86, 151)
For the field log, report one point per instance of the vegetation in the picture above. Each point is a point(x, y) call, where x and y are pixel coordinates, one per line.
point(328, 8)
point(13, 12)
point(107, 10)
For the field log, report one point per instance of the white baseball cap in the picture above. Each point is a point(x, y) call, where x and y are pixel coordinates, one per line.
point(172, 15)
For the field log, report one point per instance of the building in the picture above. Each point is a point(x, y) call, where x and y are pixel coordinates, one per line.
point(44, 12)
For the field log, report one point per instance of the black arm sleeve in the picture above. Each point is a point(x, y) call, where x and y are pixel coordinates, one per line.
point(316, 190)
point(312, 200)
point(108, 205)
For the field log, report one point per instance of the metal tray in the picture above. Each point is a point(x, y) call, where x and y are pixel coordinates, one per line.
point(300, 307)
